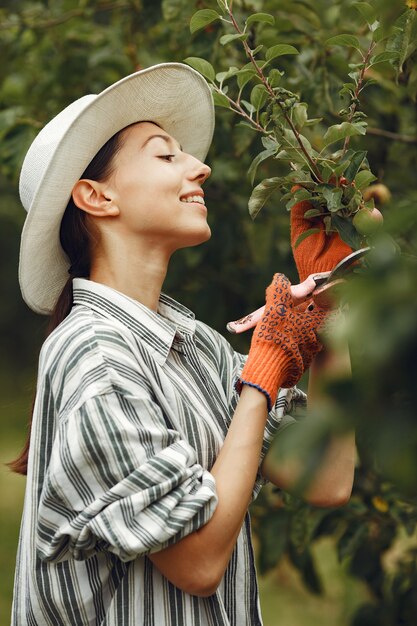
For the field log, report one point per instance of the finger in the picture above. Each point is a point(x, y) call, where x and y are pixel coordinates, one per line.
point(299, 294)
point(303, 290)
point(247, 322)
point(327, 296)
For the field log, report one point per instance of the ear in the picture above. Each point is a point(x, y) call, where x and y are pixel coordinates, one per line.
point(90, 196)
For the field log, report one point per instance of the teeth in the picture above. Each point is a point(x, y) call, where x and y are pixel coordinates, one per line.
point(193, 199)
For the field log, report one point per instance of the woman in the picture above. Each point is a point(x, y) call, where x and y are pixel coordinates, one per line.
point(147, 437)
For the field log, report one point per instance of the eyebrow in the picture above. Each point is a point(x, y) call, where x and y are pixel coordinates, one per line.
point(164, 137)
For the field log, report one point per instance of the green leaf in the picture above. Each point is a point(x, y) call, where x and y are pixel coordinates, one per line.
point(356, 160)
point(363, 179)
point(222, 76)
point(244, 76)
point(340, 169)
point(268, 142)
point(265, 154)
point(279, 50)
point(302, 177)
point(378, 34)
point(249, 107)
point(274, 538)
point(401, 37)
point(326, 173)
point(341, 131)
point(384, 57)
point(348, 88)
point(257, 49)
point(347, 231)
point(298, 196)
point(313, 121)
point(289, 136)
point(366, 10)
point(354, 535)
point(299, 115)
point(202, 18)
point(201, 65)
point(370, 204)
point(360, 126)
point(344, 40)
point(305, 234)
point(220, 100)
point(258, 96)
point(312, 213)
point(309, 573)
point(261, 194)
point(274, 77)
point(260, 17)
point(333, 198)
point(225, 39)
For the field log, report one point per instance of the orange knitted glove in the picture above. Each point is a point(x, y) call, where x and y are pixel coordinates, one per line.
point(317, 252)
point(283, 343)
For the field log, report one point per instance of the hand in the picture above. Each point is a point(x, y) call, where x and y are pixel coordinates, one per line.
point(318, 252)
point(299, 294)
point(284, 342)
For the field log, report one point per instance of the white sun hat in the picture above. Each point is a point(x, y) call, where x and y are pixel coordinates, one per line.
point(172, 95)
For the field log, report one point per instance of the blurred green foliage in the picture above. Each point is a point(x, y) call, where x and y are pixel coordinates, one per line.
point(54, 52)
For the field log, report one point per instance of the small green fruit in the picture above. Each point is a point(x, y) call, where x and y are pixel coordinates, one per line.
point(379, 192)
point(367, 222)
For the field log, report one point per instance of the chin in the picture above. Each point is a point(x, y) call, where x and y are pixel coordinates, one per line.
point(198, 238)
point(191, 237)
point(207, 234)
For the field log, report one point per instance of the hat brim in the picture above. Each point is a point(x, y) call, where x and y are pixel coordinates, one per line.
point(172, 95)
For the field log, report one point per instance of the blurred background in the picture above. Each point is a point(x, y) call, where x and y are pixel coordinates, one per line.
point(354, 565)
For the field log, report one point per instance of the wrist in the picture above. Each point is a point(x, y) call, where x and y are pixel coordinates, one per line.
point(255, 399)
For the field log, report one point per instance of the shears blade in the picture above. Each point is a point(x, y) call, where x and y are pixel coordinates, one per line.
point(341, 268)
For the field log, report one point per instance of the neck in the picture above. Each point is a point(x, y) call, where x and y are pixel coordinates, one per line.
point(139, 276)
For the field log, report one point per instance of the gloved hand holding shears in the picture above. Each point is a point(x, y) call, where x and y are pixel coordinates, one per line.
point(323, 261)
point(284, 342)
point(318, 287)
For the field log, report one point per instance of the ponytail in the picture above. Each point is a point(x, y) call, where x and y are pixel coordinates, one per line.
point(74, 230)
point(76, 239)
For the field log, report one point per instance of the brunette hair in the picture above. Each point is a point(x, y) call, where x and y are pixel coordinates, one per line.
point(75, 239)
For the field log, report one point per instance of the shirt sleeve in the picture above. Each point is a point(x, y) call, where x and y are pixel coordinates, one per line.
point(120, 480)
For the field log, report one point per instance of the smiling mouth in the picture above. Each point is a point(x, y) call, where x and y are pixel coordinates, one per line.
point(198, 199)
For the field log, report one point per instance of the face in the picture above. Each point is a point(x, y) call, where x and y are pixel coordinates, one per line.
point(158, 189)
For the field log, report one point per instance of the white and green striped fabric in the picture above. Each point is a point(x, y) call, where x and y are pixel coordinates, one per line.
point(132, 408)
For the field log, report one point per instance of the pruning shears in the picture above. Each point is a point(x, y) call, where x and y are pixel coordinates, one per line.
point(317, 286)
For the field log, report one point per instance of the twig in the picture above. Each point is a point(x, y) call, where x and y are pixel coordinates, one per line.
point(271, 92)
point(30, 20)
point(358, 89)
point(380, 132)
point(238, 109)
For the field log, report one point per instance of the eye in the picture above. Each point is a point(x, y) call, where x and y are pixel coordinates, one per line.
point(167, 157)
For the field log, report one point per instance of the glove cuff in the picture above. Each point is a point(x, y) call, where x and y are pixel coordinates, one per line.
point(269, 368)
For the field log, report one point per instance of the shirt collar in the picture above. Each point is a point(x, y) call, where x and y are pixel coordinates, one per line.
point(157, 330)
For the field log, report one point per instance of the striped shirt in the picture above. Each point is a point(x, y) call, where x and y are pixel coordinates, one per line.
point(131, 411)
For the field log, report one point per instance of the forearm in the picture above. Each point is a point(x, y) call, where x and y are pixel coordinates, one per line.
point(334, 478)
point(206, 552)
point(331, 483)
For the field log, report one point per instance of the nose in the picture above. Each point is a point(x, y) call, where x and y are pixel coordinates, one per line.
point(200, 171)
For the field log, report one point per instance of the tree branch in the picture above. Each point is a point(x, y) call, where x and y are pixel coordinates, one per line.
point(271, 92)
point(380, 132)
point(358, 89)
point(29, 21)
